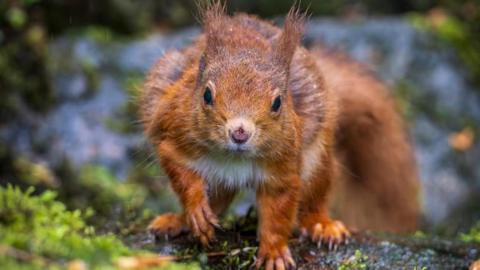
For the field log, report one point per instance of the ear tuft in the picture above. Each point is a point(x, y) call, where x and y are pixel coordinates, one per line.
point(212, 15)
point(210, 11)
point(291, 36)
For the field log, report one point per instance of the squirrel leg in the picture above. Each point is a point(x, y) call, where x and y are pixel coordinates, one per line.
point(174, 224)
point(220, 198)
point(197, 215)
point(313, 217)
point(277, 207)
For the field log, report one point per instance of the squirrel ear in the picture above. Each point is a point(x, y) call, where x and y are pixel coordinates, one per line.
point(290, 37)
point(212, 14)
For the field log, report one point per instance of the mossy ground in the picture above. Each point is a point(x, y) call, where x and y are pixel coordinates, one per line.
point(38, 232)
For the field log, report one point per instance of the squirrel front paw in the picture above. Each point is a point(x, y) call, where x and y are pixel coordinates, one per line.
point(168, 225)
point(202, 222)
point(325, 231)
point(276, 258)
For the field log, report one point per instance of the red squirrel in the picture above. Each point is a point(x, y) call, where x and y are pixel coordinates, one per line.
point(246, 106)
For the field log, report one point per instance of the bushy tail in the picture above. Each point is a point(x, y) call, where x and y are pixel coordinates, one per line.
point(377, 178)
point(376, 185)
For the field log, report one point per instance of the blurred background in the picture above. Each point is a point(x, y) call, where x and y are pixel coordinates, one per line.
point(70, 72)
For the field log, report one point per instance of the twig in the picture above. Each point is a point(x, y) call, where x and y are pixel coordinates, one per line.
point(22, 255)
point(143, 262)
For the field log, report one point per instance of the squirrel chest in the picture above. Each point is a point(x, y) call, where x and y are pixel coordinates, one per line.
point(233, 172)
point(229, 172)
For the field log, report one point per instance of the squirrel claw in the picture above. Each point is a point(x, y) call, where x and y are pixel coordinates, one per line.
point(282, 262)
point(332, 233)
point(202, 222)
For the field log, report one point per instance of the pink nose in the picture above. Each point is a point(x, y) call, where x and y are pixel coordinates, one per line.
point(239, 136)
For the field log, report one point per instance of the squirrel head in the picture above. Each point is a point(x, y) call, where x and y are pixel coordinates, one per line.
point(242, 102)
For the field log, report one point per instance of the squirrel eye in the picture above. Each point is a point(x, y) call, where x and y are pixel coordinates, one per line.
point(277, 102)
point(207, 96)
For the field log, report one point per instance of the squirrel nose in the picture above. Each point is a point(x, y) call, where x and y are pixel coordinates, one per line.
point(239, 135)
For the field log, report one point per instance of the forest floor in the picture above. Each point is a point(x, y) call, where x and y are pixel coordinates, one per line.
point(236, 250)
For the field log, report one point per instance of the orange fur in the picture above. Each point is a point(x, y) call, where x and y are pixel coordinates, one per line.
point(330, 114)
point(376, 171)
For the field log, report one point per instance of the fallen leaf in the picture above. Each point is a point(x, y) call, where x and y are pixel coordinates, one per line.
point(437, 16)
point(143, 262)
point(77, 265)
point(463, 140)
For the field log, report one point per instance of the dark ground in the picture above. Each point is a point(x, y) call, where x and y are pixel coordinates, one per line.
point(235, 250)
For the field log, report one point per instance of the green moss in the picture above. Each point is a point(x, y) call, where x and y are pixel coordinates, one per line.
point(34, 173)
point(420, 235)
point(38, 232)
point(461, 33)
point(44, 229)
point(473, 235)
point(121, 205)
point(356, 262)
point(242, 258)
point(98, 177)
point(116, 202)
point(112, 198)
point(16, 17)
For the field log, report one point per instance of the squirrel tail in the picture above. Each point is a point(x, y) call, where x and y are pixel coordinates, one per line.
point(377, 182)
point(377, 185)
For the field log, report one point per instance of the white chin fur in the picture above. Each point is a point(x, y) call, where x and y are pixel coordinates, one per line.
point(237, 170)
point(231, 172)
